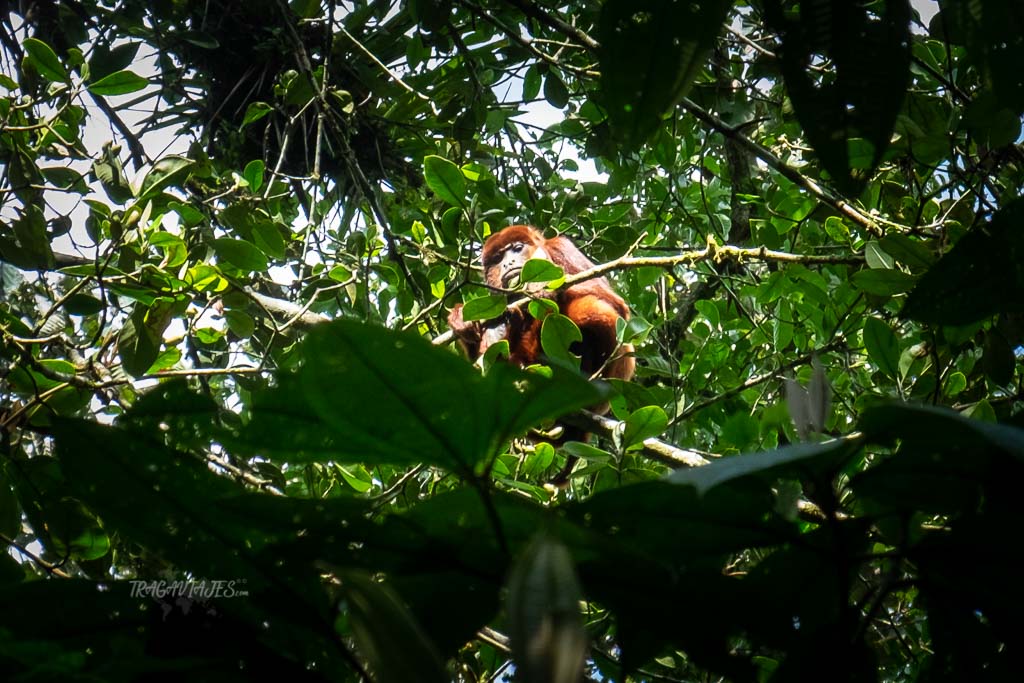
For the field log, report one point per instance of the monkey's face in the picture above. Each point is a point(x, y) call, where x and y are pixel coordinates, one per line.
point(506, 271)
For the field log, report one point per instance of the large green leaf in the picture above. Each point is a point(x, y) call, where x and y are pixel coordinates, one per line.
point(368, 394)
point(980, 276)
point(650, 52)
point(931, 426)
point(846, 68)
point(796, 461)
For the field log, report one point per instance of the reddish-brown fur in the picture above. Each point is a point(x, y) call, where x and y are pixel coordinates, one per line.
point(592, 305)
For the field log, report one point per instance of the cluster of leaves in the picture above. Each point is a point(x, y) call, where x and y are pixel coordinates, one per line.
point(820, 190)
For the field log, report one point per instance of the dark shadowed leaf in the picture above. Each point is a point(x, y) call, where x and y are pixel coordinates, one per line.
point(931, 426)
point(882, 346)
point(650, 52)
point(796, 461)
point(368, 394)
point(386, 633)
point(848, 116)
point(545, 624)
point(979, 277)
point(883, 282)
point(994, 34)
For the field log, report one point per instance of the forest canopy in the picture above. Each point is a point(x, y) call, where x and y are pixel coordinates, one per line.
point(237, 440)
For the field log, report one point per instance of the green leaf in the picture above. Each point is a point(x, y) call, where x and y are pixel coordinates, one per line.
point(883, 282)
point(979, 277)
point(253, 173)
point(339, 273)
point(142, 336)
point(882, 346)
point(118, 83)
point(929, 472)
point(254, 112)
point(557, 334)
point(531, 83)
point(848, 119)
point(909, 251)
point(955, 384)
point(541, 308)
point(933, 427)
point(555, 91)
point(267, 236)
point(992, 33)
point(83, 304)
point(587, 452)
point(540, 270)
point(484, 307)
point(445, 179)
point(175, 251)
point(651, 50)
point(240, 322)
point(241, 254)
point(876, 256)
point(371, 395)
point(170, 170)
point(45, 60)
point(30, 230)
point(644, 423)
point(104, 61)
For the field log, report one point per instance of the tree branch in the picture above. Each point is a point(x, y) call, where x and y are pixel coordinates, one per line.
point(713, 252)
point(553, 22)
point(766, 155)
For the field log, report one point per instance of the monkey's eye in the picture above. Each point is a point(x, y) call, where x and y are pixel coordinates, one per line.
point(517, 247)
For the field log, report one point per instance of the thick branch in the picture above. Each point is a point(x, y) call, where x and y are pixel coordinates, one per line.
point(662, 452)
point(301, 315)
point(712, 251)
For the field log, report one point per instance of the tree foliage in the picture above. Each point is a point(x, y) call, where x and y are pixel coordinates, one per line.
point(236, 442)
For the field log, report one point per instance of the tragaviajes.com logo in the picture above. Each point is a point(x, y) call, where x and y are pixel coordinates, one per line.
point(188, 595)
point(190, 590)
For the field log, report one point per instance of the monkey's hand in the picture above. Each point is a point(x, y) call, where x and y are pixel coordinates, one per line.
point(468, 333)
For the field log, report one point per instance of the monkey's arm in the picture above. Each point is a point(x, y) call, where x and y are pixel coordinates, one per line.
point(469, 334)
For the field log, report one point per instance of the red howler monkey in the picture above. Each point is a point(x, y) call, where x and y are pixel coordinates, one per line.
point(591, 304)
